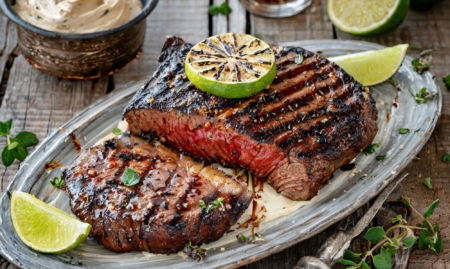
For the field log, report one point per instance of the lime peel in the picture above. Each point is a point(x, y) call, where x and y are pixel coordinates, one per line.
point(45, 228)
point(231, 65)
point(373, 67)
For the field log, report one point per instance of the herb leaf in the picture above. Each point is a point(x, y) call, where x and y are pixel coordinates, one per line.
point(375, 234)
point(349, 255)
point(13, 145)
point(213, 205)
point(424, 239)
point(409, 241)
point(382, 260)
point(423, 96)
point(57, 182)
point(427, 182)
point(4, 130)
point(447, 82)
point(430, 210)
point(423, 63)
point(7, 157)
point(130, 177)
point(117, 131)
point(403, 131)
point(446, 158)
point(223, 9)
point(364, 265)
point(26, 139)
point(380, 157)
point(20, 153)
point(371, 149)
point(195, 252)
point(398, 218)
point(347, 262)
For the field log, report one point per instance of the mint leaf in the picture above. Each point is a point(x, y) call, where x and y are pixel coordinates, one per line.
point(409, 241)
point(424, 239)
point(397, 218)
point(438, 246)
point(383, 260)
point(7, 157)
point(375, 234)
point(26, 139)
point(3, 129)
point(223, 9)
point(117, 131)
point(13, 145)
point(430, 210)
point(403, 131)
point(130, 177)
point(20, 153)
point(447, 82)
point(347, 262)
point(349, 255)
point(446, 158)
point(57, 182)
point(427, 182)
point(371, 149)
point(364, 265)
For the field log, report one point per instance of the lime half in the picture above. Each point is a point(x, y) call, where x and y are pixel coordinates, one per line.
point(231, 65)
point(372, 67)
point(45, 228)
point(368, 17)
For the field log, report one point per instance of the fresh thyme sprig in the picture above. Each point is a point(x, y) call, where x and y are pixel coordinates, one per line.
point(429, 238)
point(16, 147)
point(195, 252)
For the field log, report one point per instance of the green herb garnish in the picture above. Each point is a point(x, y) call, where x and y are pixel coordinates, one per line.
point(16, 146)
point(223, 9)
point(423, 96)
point(117, 131)
point(195, 252)
point(423, 63)
point(213, 205)
point(403, 131)
point(256, 239)
point(380, 157)
point(371, 149)
point(130, 177)
point(388, 243)
point(447, 82)
point(57, 182)
point(241, 238)
point(427, 182)
point(446, 158)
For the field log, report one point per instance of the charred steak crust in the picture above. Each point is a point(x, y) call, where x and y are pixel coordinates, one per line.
point(161, 213)
point(311, 120)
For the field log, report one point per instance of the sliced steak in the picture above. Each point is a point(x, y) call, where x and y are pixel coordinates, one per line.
point(161, 213)
point(311, 120)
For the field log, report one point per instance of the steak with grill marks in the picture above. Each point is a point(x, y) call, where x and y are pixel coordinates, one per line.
point(311, 120)
point(161, 213)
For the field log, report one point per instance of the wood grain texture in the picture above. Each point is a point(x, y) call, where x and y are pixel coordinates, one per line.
point(187, 19)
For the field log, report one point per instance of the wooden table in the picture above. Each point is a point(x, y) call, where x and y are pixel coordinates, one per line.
point(41, 103)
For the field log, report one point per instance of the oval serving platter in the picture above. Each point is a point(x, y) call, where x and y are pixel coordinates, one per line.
point(346, 192)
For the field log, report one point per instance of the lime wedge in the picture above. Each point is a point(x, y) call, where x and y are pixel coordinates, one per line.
point(372, 67)
point(368, 17)
point(231, 65)
point(45, 228)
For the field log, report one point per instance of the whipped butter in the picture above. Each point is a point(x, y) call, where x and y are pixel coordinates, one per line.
point(77, 16)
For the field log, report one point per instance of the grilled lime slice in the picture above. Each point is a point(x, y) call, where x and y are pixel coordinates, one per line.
point(231, 65)
point(368, 17)
point(45, 228)
point(373, 67)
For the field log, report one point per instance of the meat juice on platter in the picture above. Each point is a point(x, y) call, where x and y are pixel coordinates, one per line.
point(313, 119)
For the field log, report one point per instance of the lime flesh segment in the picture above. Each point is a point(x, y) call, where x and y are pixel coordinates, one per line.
point(368, 17)
point(231, 65)
point(372, 67)
point(45, 228)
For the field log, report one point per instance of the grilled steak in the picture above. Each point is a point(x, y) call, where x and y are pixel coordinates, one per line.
point(311, 120)
point(161, 213)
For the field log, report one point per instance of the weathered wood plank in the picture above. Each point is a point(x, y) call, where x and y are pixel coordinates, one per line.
point(8, 51)
point(312, 23)
point(187, 19)
point(234, 22)
point(428, 29)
